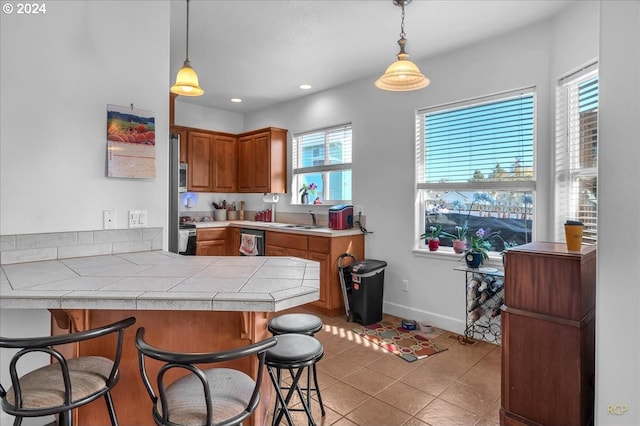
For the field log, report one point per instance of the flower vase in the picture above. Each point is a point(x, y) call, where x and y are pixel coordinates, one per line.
point(304, 199)
point(473, 260)
point(459, 246)
point(433, 243)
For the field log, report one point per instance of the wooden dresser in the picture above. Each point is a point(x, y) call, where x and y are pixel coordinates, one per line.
point(548, 336)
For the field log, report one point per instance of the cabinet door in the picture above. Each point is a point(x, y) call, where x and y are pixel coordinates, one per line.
point(183, 142)
point(274, 250)
point(225, 154)
point(211, 248)
point(200, 154)
point(325, 270)
point(261, 153)
point(245, 164)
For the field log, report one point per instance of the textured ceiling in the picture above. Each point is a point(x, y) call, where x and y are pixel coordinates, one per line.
point(262, 50)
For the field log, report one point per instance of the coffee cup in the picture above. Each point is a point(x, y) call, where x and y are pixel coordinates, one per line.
point(573, 235)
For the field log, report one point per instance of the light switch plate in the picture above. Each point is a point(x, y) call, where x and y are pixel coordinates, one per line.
point(109, 219)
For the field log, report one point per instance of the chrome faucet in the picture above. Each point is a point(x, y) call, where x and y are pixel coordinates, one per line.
point(313, 218)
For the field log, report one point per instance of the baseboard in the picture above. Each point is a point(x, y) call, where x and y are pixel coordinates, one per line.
point(454, 325)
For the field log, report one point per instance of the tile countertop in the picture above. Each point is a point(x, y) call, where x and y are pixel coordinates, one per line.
point(159, 280)
point(284, 227)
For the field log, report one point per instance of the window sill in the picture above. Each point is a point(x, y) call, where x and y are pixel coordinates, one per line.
point(447, 253)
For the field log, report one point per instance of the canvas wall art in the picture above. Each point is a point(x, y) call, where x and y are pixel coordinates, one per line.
point(131, 142)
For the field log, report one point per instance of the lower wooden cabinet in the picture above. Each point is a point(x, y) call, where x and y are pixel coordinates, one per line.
point(548, 336)
point(324, 250)
point(211, 242)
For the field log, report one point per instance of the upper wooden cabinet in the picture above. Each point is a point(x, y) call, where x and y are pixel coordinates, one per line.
point(200, 153)
point(182, 131)
point(225, 170)
point(212, 159)
point(262, 161)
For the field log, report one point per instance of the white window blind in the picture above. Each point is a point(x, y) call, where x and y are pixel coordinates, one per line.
point(577, 151)
point(475, 164)
point(323, 158)
point(484, 143)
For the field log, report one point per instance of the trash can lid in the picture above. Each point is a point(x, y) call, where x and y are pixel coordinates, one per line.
point(366, 266)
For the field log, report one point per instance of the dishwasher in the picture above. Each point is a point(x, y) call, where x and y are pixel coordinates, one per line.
point(251, 242)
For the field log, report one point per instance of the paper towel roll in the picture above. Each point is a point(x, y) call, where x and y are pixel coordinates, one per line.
point(271, 198)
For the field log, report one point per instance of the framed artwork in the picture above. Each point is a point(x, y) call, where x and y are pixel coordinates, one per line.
point(131, 142)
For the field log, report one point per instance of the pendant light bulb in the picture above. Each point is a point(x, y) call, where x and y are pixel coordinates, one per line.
point(187, 79)
point(402, 75)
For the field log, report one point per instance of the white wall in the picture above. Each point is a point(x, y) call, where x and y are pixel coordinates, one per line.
point(618, 292)
point(58, 73)
point(191, 115)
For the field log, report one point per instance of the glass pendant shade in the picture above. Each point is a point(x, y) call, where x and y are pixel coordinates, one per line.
point(402, 75)
point(187, 82)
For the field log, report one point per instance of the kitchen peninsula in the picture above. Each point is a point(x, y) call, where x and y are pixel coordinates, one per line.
point(186, 303)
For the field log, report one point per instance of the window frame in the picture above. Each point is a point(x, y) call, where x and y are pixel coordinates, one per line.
point(422, 187)
point(325, 169)
point(568, 135)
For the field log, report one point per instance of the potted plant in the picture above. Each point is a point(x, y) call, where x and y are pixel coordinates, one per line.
point(305, 190)
point(479, 248)
point(459, 239)
point(432, 237)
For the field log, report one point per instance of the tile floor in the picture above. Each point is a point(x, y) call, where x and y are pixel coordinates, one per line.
point(363, 385)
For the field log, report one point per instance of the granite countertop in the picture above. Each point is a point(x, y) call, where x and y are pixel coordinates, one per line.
point(159, 280)
point(276, 226)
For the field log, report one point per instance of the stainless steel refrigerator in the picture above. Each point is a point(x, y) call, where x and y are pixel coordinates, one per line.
point(174, 192)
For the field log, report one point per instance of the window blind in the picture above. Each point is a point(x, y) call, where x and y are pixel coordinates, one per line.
point(577, 151)
point(483, 144)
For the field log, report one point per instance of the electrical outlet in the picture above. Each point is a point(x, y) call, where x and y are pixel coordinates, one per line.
point(358, 211)
point(405, 285)
point(143, 218)
point(134, 218)
point(109, 219)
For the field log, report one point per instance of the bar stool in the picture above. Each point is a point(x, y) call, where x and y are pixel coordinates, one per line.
point(295, 323)
point(300, 324)
point(294, 353)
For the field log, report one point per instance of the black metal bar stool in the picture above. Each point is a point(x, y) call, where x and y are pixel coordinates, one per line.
point(294, 353)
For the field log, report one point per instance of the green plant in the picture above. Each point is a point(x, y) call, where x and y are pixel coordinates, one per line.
point(461, 232)
point(433, 233)
point(311, 188)
point(480, 242)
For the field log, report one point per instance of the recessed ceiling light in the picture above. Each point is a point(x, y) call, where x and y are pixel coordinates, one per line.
point(236, 100)
point(305, 86)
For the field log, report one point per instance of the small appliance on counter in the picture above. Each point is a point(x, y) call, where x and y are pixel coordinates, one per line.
point(341, 217)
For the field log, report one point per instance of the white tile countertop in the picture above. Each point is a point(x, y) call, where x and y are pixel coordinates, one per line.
point(159, 280)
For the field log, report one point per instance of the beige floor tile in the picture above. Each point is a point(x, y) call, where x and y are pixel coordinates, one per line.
point(415, 422)
point(344, 422)
point(338, 366)
point(405, 397)
point(368, 381)
point(376, 412)
point(470, 398)
point(430, 381)
point(343, 398)
point(442, 413)
point(365, 353)
point(393, 366)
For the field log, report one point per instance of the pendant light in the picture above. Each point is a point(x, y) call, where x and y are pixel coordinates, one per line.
point(402, 75)
point(187, 79)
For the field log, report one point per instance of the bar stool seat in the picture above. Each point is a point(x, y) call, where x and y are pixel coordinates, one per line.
point(295, 323)
point(294, 353)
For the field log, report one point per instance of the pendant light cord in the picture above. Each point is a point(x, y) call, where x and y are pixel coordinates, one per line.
point(187, 49)
point(402, 33)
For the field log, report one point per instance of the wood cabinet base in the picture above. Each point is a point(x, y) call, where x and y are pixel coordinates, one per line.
point(188, 331)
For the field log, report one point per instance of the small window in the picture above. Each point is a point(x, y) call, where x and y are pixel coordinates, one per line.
point(577, 152)
point(475, 165)
point(322, 166)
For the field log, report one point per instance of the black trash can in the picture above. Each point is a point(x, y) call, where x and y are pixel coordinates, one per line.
point(367, 290)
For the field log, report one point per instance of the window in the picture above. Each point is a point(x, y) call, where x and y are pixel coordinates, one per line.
point(475, 163)
point(577, 152)
point(322, 162)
